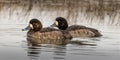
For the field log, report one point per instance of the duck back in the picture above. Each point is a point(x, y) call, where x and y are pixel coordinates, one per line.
point(75, 27)
point(83, 31)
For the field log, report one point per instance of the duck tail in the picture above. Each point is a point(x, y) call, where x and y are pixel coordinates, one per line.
point(98, 34)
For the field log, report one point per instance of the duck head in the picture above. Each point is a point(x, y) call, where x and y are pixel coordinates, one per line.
point(34, 25)
point(61, 23)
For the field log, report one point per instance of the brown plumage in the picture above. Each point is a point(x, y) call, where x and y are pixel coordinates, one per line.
point(39, 35)
point(76, 30)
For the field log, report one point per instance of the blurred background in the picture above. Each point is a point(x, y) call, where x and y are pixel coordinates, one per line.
point(83, 12)
point(102, 12)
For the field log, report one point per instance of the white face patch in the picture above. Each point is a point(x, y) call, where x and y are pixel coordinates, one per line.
point(56, 23)
point(31, 26)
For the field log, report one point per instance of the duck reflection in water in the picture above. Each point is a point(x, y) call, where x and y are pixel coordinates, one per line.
point(37, 51)
point(58, 51)
point(33, 52)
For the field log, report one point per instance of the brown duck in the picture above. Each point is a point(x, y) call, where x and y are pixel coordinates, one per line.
point(39, 35)
point(75, 30)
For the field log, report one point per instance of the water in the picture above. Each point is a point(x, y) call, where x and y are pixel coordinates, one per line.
point(15, 16)
point(14, 46)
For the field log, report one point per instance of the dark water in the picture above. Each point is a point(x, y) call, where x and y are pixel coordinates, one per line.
point(13, 46)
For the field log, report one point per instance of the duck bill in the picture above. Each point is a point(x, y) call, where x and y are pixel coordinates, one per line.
point(27, 28)
point(53, 25)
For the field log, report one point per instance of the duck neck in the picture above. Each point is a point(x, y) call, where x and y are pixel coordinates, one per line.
point(63, 27)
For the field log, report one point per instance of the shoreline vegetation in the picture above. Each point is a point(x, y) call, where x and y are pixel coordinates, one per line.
point(100, 11)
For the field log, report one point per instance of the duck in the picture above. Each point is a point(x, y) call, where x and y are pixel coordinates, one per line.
point(38, 35)
point(75, 30)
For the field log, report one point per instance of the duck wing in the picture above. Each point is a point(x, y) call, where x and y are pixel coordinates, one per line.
point(79, 30)
point(95, 31)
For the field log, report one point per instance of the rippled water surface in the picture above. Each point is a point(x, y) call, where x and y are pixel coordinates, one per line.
point(13, 46)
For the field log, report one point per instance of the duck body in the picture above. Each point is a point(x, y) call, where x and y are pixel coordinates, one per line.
point(46, 36)
point(76, 30)
point(39, 35)
point(83, 31)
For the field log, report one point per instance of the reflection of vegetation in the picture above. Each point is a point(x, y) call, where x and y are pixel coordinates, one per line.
point(71, 9)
